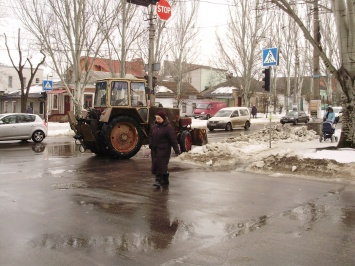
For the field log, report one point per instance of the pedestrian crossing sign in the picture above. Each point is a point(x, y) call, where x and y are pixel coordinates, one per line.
point(47, 85)
point(270, 57)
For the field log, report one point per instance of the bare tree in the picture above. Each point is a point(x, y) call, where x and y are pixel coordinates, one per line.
point(240, 49)
point(330, 47)
point(70, 31)
point(183, 37)
point(19, 67)
point(344, 15)
point(122, 43)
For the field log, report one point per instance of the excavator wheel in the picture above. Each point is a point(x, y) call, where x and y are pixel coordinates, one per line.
point(124, 137)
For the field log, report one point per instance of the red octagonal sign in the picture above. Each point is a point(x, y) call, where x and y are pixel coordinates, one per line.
point(163, 9)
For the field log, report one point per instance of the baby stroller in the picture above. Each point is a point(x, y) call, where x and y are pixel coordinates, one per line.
point(328, 132)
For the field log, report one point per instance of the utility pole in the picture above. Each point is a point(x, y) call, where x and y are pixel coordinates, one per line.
point(151, 55)
point(296, 86)
point(317, 37)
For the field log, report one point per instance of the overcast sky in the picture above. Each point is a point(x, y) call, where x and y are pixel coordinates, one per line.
point(212, 17)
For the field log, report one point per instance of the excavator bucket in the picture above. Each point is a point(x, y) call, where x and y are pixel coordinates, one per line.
point(199, 136)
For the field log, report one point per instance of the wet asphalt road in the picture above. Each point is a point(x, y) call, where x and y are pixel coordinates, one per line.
point(62, 207)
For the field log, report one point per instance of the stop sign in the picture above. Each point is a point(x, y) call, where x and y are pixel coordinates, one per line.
point(163, 9)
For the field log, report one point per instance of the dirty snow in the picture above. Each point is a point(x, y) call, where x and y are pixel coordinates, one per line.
point(294, 150)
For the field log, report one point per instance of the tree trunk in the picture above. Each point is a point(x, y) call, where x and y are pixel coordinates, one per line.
point(347, 137)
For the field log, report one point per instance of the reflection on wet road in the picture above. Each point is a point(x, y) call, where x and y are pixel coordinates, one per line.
point(63, 207)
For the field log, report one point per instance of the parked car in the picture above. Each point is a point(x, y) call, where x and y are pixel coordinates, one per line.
point(18, 126)
point(295, 117)
point(338, 113)
point(206, 110)
point(229, 118)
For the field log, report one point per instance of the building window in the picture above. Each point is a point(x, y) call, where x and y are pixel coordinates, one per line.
point(184, 107)
point(37, 80)
point(13, 107)
point(55, 101)
point(88, 100)
point(9, 82)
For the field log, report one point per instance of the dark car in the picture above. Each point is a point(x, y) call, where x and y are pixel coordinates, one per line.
point(295, 117)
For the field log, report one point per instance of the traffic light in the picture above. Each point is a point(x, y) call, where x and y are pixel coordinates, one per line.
point(143, 2)
point(43, 95)
point(266, 79)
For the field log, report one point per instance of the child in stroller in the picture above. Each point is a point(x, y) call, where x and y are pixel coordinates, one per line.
point(328, 132)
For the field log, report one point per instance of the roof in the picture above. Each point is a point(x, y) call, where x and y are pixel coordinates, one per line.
point(134, 67)
point(171, 89)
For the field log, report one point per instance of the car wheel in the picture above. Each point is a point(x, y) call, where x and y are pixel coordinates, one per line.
point(306, 121)
point(210, 129)
point(38, 136)
point(38, 147)
point(295, 122)
point(282, 123)
point(247, 125)
point(229, 127)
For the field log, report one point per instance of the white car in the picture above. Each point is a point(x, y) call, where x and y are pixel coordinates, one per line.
point(338, 113)
point(18, 126)
point(229, 118)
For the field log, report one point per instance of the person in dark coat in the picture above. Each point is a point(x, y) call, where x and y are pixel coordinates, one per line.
point(254, 111)
point(162, 137)
point(29, 110)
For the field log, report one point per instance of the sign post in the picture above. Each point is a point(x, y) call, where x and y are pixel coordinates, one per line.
point(270, 58)
point(47, 86)
point(163, 9)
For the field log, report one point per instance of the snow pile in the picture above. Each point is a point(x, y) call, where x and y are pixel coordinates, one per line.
point(59, 129)
point(288, 162)
point(253, 153)
point(280, 132)
point(245, 148)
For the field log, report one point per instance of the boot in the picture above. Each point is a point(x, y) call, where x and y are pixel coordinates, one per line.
point(158, 179)
point(165, 179)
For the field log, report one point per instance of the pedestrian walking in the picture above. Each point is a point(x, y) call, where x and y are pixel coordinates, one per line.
point(29, 110)
point(162, 137)
point(254, 111)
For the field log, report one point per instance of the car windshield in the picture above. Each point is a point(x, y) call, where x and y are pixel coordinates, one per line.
point(202, 106)
point(336, 110)
point(292, 113)
point(223, 113)
point(1, 116)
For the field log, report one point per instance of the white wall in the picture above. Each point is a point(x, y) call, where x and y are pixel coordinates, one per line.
point(7, 71)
